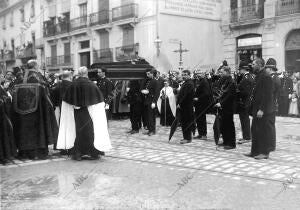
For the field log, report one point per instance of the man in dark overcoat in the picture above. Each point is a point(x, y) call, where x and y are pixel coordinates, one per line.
point(285, 91)
point(263, 112)
point(202, 101)
point(244, 91)
point(185, 106)
point(225, 103)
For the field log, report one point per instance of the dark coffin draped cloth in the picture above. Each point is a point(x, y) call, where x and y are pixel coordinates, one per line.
point(35, 126)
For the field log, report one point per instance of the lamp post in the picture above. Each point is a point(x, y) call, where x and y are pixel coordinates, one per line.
point(157, 43)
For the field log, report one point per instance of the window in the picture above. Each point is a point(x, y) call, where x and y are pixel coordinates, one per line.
point(128, 36)
point(22, 14)
point(3, 23)
point(83, 10)
point(32, 13)
point(85, 44)
point(11, 19)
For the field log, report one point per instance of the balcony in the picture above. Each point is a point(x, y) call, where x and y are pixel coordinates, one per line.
point(62, 60)
point(99, 18)
point(103, 55)
point(128, 52)
point(49, 28)
point(79, 23)
point(63, 27)
point(125, 12)
point(249, 15)
point(9, 55)
point(287, 7)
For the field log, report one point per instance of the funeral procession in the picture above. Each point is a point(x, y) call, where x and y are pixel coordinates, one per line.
point(150, 104)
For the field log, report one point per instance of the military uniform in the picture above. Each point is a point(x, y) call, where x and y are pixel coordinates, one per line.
point(106, 88)
point(148, 112)
point(244, 91)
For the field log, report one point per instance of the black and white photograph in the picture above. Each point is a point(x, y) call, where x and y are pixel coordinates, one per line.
point(150, 104)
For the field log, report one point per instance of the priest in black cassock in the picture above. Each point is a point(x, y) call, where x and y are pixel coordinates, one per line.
point(8, 149)
point(83, 124)
point(264, 108)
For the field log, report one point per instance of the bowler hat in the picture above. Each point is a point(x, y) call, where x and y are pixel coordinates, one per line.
point(271, 63)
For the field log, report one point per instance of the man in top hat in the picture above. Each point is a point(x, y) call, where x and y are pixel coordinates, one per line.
point(263, 111)
point(245, 87)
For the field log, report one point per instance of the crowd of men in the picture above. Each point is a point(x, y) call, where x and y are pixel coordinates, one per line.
point(72, 113)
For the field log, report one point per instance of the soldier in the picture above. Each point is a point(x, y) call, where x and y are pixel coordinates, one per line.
point(150, 93)
point(106, 87)
point(245, 87)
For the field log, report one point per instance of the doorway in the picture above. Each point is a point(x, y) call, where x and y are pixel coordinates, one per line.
point(85, 59)
point(292, 51)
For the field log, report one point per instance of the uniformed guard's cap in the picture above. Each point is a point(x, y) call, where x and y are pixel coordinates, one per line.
point(271, 63)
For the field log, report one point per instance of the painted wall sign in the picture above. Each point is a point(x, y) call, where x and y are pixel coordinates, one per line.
point(203, 9)
point(249, 41)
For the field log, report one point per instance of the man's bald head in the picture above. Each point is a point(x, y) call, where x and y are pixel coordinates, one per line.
point(83, 71)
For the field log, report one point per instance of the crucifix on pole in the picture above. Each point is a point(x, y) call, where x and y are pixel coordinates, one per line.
point(180, 51)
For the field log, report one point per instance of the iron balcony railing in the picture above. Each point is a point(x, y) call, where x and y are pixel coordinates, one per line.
point(62, 60)
point(99, 18)
point(63, 27)
point(127, 52)
point(125, 12)
point(251, 12)
point(79, 23)
point(287, 7)
point(103, 55)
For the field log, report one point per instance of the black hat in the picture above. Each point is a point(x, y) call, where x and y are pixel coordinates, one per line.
point(244, 65)
point(271, 63)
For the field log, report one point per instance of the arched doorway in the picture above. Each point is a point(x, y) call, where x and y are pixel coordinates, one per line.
point(292, 51)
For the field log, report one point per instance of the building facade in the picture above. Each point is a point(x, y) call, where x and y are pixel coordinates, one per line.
point(264, 28)
point(82, 32)
point(20, 33)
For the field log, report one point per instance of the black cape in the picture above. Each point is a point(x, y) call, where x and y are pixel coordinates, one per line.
point(82, 93)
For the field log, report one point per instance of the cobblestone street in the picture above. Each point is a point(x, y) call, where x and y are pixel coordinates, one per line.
point(144, 172)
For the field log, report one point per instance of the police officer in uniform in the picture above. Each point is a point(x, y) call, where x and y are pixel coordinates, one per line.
point(245, 87)
point(106, 88)
point(150, 93)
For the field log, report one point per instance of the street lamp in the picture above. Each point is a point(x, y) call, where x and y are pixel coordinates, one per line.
point(157, 43)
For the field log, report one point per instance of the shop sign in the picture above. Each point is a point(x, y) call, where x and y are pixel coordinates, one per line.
point(249, 41)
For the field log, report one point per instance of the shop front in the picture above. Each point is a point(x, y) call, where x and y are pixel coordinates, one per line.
point(248, 48)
